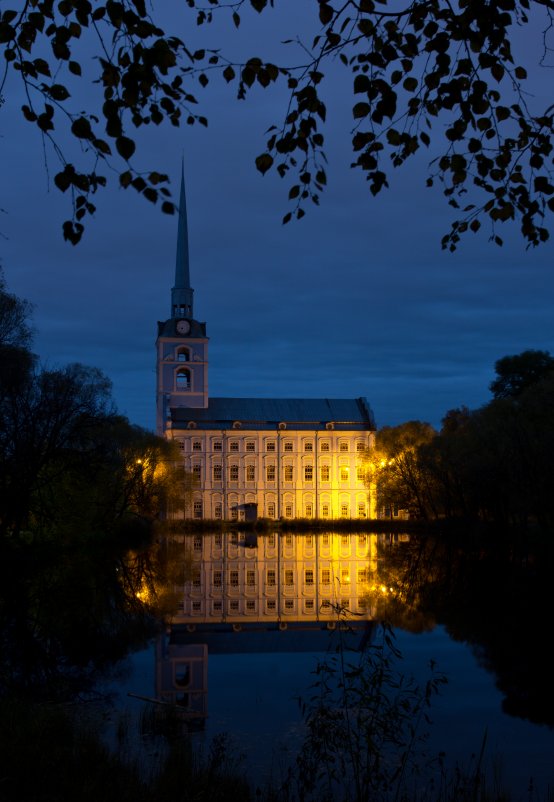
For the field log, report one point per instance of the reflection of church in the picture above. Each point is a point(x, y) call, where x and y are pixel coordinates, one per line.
point(254, 457)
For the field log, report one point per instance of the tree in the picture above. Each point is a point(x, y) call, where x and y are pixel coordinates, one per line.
point(429, 74)
point(514, 374)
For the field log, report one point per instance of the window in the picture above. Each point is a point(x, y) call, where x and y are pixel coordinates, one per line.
point(288, 540)
point(196, 579)
point(250, 473)
point(325, 538)
point(289, 578)
point(251, 445)
point(343, 446)
point(271, 514)
point(197, 445)
point(344, 473)
point(325, 445)
point(345, 539)
point(234, 514)
point(309, 541)
point(251, 579)
point(181, 445)
point(270, 445)
point(309, 576)
point(289, 605)
point(288, 446)
point(270, 578)
point(234, 579)
point(325, 473)
point(196, 607)
point(217, 606)
point(360, 446)
point(233, 473)
point(344, 510)
point(197, 543)
point(218, 539)
point(197, 509)
point(217, 579)
point(361, 510)
point(234, 606)
point(289, 473)
point(270, 605)
point(218, 446)
point(308, 473)
point(362, 574)
point(288, 510)
point(183, 355)
point(251, 605)
point(234, 445)
point(325, 606)
point(344, 576)
point(182, 379)
point(270, 473)
point(324, 511)
point(359, 473)
point(326, 576)
point(217, 473)
point(308, 446)
point(309, 510)
point(309, 605)
point(197, 473)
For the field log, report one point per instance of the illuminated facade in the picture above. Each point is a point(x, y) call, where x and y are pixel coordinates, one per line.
point(254, 457)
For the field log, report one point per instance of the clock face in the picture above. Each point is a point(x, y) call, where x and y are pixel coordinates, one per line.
point(183, 327)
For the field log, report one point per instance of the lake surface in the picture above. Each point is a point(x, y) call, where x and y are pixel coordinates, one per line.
point(255, 616)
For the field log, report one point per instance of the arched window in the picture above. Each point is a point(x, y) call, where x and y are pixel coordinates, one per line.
point(182, 379)
point(183, 355)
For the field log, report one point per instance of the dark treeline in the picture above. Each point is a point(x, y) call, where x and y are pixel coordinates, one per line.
point(493, 464)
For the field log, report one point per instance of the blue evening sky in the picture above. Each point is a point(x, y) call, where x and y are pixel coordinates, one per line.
point(356, 299)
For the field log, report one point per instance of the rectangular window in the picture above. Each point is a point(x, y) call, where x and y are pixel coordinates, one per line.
point(197, 543)
point(360, 446)
point(288, 446)
point(251, 445)
point(196, 579)
point(197, 509)
point(251, 579)
point(325, 446)
point(270, 445)
point(325, 538)
point(325, 606)
point(344, 473)
point(326, 576)
point(309, 510)
point(324, 510)
point(197, 445)
point(359, 473)
point(218, 446)
point(288, 540)
point(217, 579)
point(234, 579)
point(289, 578)
point(344, 576)
point(308, 446)
point(343, 446)
point(270, 578)
point(361, 540)
point(344, 510)
point(234, 606)
point(217, 473)
point(362, 575)
point(234, 514)
point(218, 539)
point(271, 540)
point(250, 473)
point(308, 473)
point(325, 473)
point(289, 605)
point(309, 541)
point(288, 510)
point(181, 445)
point(345, 539)
point(251, 605)
point(196, 473)
point(309, 605)
point(289, 473)
point(218, 513)
point(196, 607)
point(233, 473)
point(361, 510)
point(271, 511)
point(217, 606)
point(270, 473)
point(270, 605)
point(234, 445)
point(309, 576)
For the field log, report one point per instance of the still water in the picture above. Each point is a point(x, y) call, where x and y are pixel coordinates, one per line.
point(255, 615)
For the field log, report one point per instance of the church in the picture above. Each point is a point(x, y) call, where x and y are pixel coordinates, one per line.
point(254, 458)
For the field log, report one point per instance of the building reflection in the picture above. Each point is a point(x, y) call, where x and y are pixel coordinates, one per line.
point(281, 592)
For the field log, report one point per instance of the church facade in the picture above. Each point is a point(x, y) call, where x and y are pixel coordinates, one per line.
point(254, 457)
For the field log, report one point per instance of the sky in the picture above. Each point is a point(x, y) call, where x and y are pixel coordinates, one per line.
point(356, 299)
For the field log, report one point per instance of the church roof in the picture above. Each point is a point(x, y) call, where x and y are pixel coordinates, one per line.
point(267, 413)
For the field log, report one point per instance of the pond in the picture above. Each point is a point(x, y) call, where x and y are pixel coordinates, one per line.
point(256, 614)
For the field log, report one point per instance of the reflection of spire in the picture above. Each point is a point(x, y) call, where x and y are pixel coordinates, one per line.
point(181, 294)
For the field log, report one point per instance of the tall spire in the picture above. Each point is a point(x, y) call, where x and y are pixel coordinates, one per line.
point(181, 293)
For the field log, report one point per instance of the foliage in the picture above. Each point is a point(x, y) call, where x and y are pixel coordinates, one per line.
point(516, 373)
point(427, 74)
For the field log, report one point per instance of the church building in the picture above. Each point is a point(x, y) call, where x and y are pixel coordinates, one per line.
point(254, 457)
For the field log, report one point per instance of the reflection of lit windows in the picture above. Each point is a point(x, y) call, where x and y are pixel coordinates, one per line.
point(309, 541)
point(308, 446)
point(271, 538)
point(325, 538)
point(234, 445)
point(270, 578)
point(309, 576)
point(217, 473)
point(289, 604)
point(251, 605)
point(288, 510)
point(250, 473)
point(217, 606)
point(325, 473)
point(197, 509)
point(270, 473)
point(309, 510)
point(325, 514)
point(197, 445)
point(233, 473)
point(344, 473)
point(218, 539)
point(234, 579)
point(270, 605)
point(289, 578)
point(270, 445)
point(326, 576)
point(288, 540)
point(251, 579)
point(325, 446)
point(218, 512)
point(196, 607)
point(289, 473)
point(217, 579)
point(196, 580)
point(343, 446)
point(271, 514)
point(361, 540)
point(251, 445)
point(288, 446)
point(197, 543)
point(308, 473)
point(234, 606)
point(218, 445)
point(344, 510)
point(360, 446)
point(309, 605)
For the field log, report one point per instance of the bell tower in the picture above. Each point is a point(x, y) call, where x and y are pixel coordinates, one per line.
point(181, 344)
